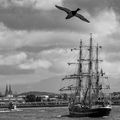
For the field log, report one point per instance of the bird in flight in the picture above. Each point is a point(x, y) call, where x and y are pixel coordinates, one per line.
point(71, 14)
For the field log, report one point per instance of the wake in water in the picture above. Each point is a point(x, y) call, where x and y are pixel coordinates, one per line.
point(61, 116)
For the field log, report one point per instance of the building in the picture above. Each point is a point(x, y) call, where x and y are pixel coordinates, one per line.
point(8, 91)
point(8, 96)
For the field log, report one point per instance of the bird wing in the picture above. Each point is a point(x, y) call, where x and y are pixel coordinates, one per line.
point(82, 17)
point(63, 8)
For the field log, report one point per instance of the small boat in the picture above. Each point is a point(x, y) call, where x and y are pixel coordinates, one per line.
point(13, 107)
point(88, 97)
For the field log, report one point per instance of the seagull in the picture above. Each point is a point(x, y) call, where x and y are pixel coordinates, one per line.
point(71, 14)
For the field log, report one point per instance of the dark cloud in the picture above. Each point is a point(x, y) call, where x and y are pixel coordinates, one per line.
point(21, 18)
point(27, 18)
point(13, 70)
point(115, 4)
point(92, 6)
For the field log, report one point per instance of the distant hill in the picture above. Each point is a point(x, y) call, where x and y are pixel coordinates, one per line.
point(37, 93)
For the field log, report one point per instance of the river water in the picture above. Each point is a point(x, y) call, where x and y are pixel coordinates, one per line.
point(52, 114)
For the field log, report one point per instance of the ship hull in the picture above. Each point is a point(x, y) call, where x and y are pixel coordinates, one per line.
point(93, 112)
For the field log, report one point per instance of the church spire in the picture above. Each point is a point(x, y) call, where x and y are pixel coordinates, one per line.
point(10, 90)
point(6, 91)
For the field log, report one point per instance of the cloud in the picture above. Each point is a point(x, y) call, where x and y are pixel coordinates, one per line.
point(106, 22)
point(47, 4)
point(35, 41)
point(107, 33)
point(9, 64)
point(59, 58)
point(115, 4)
point(113, 57)
point(8, 70)
point(36, 4)
point(28, 19)
point(10, 39)
point(48, 40)
point(12, 59)
point(35, 64)
point(92, 6)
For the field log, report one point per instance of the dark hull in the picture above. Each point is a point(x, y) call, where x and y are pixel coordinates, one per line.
point(93, 112)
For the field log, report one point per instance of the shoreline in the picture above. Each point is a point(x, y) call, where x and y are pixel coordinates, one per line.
point(38, 104)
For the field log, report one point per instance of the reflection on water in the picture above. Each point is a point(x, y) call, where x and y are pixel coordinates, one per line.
point(52, 114)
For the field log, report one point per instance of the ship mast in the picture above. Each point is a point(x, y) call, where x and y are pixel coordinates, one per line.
point(77, 76)
point(90, 70)
point(79, 81)
point(97, 72)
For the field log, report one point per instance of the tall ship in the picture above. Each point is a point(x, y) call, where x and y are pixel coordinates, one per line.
point(89, 96)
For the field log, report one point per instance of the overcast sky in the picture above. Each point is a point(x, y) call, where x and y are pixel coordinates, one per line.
point(35, 37)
